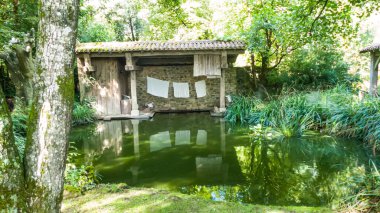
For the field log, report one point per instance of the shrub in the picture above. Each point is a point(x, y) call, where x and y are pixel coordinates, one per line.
point(312, 68)
point(364, 194)
point(83, 113)
point(79, 178)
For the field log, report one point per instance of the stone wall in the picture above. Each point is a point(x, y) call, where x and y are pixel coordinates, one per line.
point(182, 74)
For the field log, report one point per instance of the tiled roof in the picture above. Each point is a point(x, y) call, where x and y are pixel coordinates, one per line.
point(372, 48)
point(159, 46)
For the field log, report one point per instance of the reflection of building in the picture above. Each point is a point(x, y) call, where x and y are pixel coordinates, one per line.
point(211, 167)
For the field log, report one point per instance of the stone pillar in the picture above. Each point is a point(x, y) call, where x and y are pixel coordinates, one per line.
point(136, 139)
point(135, 106)
point(222, 105)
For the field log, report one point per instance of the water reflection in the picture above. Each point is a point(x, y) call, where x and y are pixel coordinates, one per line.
point(197, 154)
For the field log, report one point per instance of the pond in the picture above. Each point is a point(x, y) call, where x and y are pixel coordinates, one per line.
point(194, 153)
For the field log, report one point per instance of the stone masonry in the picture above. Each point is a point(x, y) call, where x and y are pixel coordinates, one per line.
point(182, 74)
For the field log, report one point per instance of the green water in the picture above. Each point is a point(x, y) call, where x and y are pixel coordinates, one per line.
point(194, 153)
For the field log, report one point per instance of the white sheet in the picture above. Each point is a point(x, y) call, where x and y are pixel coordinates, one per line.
point(157, 87)
point(160, 141)
point(202, 137)
point(182, 137)
point(200, 88)
point(181, 90)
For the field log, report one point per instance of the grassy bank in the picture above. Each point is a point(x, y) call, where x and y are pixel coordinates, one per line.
point(118, 198)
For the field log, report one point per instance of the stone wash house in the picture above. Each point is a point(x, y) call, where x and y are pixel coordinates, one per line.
point(122, 79)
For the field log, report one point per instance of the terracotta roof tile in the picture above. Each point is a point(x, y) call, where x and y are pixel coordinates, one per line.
point(372, 48)
point(159, 46)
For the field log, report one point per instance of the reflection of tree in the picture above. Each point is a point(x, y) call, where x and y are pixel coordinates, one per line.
point(294, 171)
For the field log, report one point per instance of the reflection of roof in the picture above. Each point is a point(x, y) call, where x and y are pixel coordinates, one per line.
point(372, 48)
point(159, 46)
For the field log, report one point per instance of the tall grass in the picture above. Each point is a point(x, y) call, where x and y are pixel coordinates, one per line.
point(364, 195)
point(290, 115)
point(337, 111)
point(83, 113)
point(242, 108)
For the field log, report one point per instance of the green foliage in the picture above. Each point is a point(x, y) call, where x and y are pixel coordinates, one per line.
point(364, 195)
point(95, 32)
point(83, 113)
point(241, 108)
point(79, 178)
point(19, 121)
point(314, 68)
point(16, 18)
point(359, 119)
point(290, 114)
point(338, 111)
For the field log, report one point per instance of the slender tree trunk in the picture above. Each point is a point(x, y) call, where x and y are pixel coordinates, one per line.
point(131, 28)
point(264, 70)
point(50, 116)
point(253, 71)
point(12, 197)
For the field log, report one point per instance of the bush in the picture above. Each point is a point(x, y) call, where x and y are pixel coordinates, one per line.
point(79, 178)
point(364, 194)
point(83, 113)
point(312, 68)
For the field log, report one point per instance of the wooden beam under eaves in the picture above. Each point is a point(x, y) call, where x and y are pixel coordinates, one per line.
point(130, 63)
point(87, 63)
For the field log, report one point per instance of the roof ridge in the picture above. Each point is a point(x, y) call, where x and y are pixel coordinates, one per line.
point(171, 45)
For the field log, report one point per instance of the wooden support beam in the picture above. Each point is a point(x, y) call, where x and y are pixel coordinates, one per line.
point(87, 63)
point(373, 75)
point(130, 63)
point(223, 60)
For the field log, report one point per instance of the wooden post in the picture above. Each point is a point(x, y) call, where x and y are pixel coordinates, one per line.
point(222, 107)
point(373, 75)
point(223, 60)
point(131, 67)
point(135, 106)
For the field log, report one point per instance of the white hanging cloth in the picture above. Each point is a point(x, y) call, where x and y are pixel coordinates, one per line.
point(157, 87)
point(207, 65)
point(159, 141)
point(182, 137)
point(200, 88)
point(181, 90)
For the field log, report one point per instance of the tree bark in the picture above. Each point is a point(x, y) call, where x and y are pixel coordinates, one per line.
point(50, 114)
point(21, 67)
point(12, 197)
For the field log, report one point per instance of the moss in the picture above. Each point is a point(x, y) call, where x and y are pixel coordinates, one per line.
point(106, 198)
point(32, 123)
point(66, 87)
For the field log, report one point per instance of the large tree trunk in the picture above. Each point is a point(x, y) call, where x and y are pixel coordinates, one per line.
point(21, 66)
point(11, 170)
point(50, 116)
